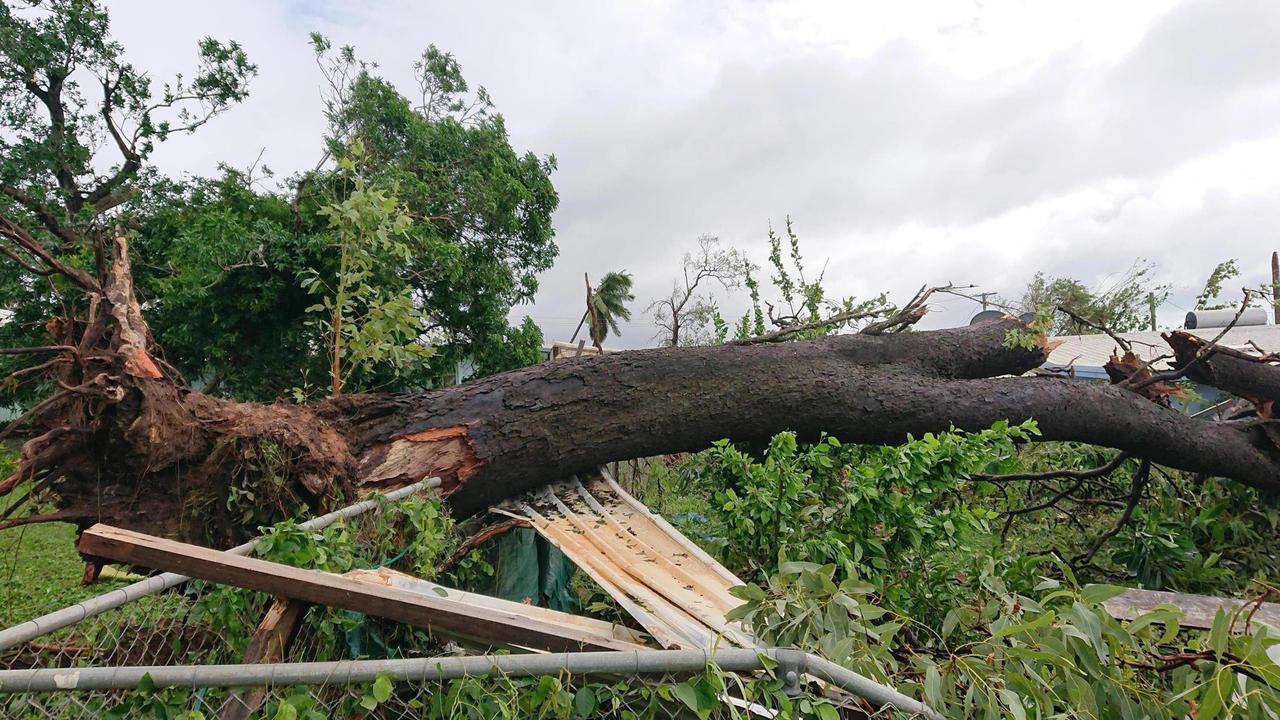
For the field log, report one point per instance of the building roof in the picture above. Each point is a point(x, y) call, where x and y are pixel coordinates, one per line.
point(1093, 351)
point(559, 349)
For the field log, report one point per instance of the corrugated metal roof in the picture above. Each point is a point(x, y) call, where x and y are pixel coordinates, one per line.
point(1093, 351)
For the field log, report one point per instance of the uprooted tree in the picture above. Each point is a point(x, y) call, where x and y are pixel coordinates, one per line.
point(121, 437)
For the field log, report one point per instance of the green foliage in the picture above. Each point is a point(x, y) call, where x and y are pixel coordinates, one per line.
point(520, 346)
point(482, 229)
point(217, 260)
point(426, 535)
point(1033, 335)
point(868, 509)
point(1122, 305)
point(77, 126)
point(415, 533)
point(1209, 537)
point(1188, 533)
point(1053, 652)
point(803, 301)
point(752, 322)
point(1222, 272)
point(606, 304)
point(149, 701)
point(53, 130)
point(364, 324)
point(259, 490)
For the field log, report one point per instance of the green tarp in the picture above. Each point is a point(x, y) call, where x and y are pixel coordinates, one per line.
point(530, 569)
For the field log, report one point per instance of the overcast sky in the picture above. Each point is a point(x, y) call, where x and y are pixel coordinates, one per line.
point(911, 143)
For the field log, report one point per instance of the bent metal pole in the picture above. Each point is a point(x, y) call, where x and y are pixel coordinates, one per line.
point(622, 662)
point(99, 604)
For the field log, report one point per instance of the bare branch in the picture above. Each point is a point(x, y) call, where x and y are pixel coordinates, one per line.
point(1124, 344)
point(41, 211)
point(12, 230)
point(1087, 474)
point(788, 332)
point(1136, 486)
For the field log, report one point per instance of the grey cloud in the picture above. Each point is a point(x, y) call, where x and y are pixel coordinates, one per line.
point(856, 148)
point(673, 121)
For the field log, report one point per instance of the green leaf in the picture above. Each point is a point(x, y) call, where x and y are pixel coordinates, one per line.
point(1014, 703)
point(1094, 594)
point(686, 694)
point(1215, 694)
point(950, 622)
point(933, 686)
point(382, 688)
point(585, 702)
point(826, 712)
point(1218, 635)
point(1039, 622)
point(795, 567)
point(767, 662)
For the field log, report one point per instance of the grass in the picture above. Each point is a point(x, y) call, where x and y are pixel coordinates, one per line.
point(40, 570)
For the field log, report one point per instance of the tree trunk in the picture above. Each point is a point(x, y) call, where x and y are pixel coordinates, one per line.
point(126, 447)
point(512, 432)
point(1254, 379)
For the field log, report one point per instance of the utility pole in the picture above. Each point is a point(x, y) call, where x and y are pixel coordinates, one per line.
point(1275, 285)
point(1151, 309)
point(982, 298)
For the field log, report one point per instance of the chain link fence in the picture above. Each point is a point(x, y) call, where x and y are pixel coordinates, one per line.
point(196, 629)
point(163, 654)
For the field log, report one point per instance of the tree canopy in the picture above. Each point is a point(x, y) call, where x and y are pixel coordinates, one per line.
point(222, 259)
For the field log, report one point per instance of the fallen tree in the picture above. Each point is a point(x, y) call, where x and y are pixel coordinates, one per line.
point(122, 438)
point(124, 441)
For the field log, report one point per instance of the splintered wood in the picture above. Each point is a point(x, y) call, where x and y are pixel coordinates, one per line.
point(673, 588)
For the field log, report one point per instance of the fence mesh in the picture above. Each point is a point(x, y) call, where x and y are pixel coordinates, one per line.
point(200, 623)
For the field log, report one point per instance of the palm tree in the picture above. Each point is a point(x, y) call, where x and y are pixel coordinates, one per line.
point(605, 305)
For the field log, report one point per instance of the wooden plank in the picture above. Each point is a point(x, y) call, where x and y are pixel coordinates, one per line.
point(393, 578)
point(1198, 611)
point(479, 625)
point(268, 645)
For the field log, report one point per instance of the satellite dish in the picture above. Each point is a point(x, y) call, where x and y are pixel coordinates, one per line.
point(986, 316)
